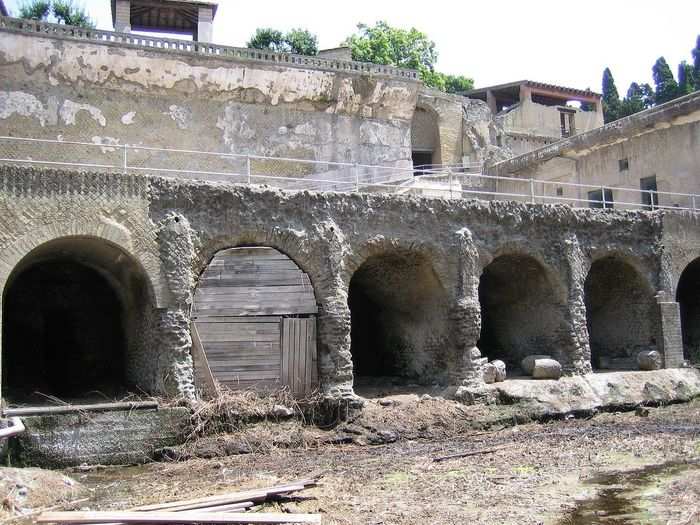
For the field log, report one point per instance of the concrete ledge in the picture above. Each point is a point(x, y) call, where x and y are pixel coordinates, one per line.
point(601, 391)
point(109, 438)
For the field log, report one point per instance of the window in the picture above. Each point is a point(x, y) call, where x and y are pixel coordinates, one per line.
point(650, 198)
point(560, 191)
point(623, 164)
point(595, 199)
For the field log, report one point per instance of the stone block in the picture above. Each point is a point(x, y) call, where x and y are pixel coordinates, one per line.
point(546, 369)
point(649, 360)
point(528, 364)
point(494, 372)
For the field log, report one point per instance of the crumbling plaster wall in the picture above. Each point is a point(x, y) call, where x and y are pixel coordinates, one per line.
point(116, 94)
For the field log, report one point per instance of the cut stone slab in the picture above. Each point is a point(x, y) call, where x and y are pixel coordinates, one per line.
point(649, 360)
point(592, 392)
point(494, 372)
point(110, 438)
point(528, 364)
point(546, 369)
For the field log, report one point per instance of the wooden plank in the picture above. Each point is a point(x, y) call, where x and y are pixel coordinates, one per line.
point(278, 288)
point(85, 517)
point(234, 337)
point(284, 373)
point(270, 310)
point(236, 319)
point(258, 376)
point(310, 355)
point(238, 328)
point(201, 366)
point(242, 347)
point(301, 360)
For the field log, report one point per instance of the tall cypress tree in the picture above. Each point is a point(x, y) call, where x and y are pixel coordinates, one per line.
point(686, 79)
point(696, 62)
point(666, 85)
point(611, 98)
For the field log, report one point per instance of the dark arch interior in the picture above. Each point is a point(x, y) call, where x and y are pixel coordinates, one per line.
point(520, 314)
point(619, 314)
point(688, 297)
point(72, 314)
point(398, 310)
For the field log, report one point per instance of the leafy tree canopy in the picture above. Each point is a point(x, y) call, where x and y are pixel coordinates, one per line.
point(696, 63)
point(686, 79)
point(611, 97)
point(666, 85)
point(62, 11)
point(407, 48)
point(298, 41)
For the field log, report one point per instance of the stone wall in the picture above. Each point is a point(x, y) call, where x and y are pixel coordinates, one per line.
point(68, 89)
point(175, 227)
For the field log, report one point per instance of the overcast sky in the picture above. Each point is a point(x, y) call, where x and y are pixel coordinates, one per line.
point(561, 42)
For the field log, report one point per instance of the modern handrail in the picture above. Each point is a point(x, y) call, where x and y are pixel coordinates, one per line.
point(451, 181)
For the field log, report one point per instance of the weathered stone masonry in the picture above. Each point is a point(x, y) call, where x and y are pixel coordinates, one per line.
point(171, 230)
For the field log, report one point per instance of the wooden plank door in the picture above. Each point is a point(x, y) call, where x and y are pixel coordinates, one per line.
point(299, 361)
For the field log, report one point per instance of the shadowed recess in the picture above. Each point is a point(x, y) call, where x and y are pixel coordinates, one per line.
point(399, 319)
point(619, 314)
point(520, 313)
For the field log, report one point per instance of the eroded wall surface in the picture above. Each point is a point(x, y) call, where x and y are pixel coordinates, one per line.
point(175, 227)
point(67, 89)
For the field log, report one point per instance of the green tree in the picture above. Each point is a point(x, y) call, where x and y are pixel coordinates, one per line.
point(68, 13)
point(298, 41)
point(639, 97)
point(696, 63)
point(666, 85)
point(458, 83)
point(611, 97)
point(302, 42)
point(686, 79)
point(407, 48)
point(267, 38)
point(35, 10)
point(63, 12)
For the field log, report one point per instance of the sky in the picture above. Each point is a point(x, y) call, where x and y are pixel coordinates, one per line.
point(559, 42)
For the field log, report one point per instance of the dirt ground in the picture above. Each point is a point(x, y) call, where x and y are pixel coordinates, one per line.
point(524, 474)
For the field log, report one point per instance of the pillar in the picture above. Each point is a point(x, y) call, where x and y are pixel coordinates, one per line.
point(122, 16)
point(465, 316)
point(205, 26)
point(669, 338)
point(491, 101)
point(525, 94)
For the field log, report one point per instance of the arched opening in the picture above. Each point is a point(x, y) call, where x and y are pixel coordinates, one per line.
point(688, 297)
point(521, 314)
point(74, 323)
point(619, 314)
point(399, 321)
point(425, 140)
point(254, 318)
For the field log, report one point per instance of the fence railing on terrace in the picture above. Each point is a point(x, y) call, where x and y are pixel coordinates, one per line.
point(452, 182)
point(202, 48)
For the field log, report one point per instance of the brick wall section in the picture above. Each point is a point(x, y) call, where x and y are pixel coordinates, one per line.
point(669, 338)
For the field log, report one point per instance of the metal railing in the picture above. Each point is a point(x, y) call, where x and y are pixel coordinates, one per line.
point(202, 48)
point(442, 181)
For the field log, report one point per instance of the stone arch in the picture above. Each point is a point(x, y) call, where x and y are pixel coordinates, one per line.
point(425, 136)
point(688, 298)
point(621, 313)
point(267, 309)
point(77, 317)
point(399, 316)
point(104, 229)
point(523, 309)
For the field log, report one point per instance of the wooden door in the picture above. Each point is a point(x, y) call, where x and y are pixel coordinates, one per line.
point(299, 363)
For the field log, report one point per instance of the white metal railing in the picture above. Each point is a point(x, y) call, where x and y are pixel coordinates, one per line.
point(202, 48)
point(444, 181)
